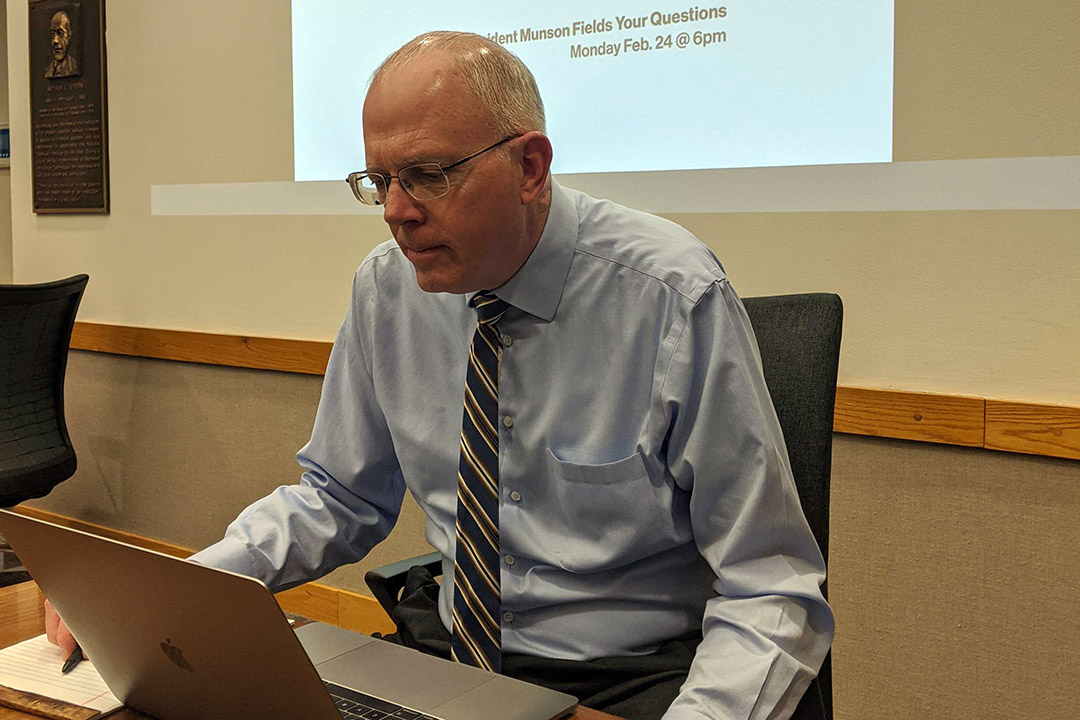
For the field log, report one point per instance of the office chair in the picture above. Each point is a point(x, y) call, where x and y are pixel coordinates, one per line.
point(35, 450)
point(799, 340)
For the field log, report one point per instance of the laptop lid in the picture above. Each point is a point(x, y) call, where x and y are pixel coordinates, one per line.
point(172, 638)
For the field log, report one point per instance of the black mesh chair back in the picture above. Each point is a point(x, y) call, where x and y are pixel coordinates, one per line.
point(35, 332)
point(799, 340)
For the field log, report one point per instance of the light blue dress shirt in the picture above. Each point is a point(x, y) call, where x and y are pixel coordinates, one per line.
point(645, 485)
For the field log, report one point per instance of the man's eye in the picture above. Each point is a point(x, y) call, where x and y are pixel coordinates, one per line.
point(426, 177)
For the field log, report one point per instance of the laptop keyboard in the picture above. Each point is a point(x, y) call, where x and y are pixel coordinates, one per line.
point(357, 706)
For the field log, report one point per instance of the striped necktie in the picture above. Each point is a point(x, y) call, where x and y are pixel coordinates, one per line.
point(477, 633)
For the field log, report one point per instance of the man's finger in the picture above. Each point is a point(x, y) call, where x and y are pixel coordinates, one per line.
point(52, 621)
point(65, 640)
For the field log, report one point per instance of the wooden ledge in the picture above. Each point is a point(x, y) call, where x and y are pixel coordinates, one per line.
point(1052, 430)
point(925, 417)
point(1031, 428)
point(299, 356)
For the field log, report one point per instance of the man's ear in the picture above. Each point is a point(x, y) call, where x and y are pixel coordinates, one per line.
point(535, 165)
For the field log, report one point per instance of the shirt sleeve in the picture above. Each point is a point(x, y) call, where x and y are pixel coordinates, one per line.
point(768, 628)
point(349, 495)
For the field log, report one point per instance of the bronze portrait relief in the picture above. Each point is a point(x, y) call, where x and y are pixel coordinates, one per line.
point(69, 128)
point(65, 59)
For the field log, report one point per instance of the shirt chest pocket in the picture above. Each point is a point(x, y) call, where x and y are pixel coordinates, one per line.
point(602, 516)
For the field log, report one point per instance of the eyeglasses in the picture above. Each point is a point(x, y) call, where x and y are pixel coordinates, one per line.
point(425, 181)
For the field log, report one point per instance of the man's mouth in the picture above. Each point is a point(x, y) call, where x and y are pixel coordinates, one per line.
point(422, 252)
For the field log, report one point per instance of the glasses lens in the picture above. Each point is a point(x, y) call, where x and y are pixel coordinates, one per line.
point(373, 187)
point(424, 182)
point(368, 189)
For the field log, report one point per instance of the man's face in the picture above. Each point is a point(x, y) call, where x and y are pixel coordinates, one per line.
point(474, 237)
point(60, 30)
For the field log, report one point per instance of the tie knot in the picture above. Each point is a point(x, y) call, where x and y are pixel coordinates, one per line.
point(488, 307)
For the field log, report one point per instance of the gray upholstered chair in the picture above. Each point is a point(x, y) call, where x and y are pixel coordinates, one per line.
point(799, 340)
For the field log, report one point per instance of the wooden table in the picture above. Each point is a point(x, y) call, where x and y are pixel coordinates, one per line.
point(22, 617)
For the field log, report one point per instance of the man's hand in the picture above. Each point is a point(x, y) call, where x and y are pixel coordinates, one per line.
point(57, 631)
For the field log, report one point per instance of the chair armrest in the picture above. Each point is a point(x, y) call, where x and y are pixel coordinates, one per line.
point(387, 582)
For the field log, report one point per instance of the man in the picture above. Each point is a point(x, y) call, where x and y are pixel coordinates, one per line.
point(63, 62)
point(614, 505)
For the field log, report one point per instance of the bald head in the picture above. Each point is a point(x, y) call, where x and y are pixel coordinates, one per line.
point(61, 20)
point(504, 88)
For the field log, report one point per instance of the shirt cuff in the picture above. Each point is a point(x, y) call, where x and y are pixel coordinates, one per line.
point(683, 713)
point(227, 554)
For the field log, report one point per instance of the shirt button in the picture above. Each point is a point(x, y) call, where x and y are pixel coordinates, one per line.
point(508, 422)
point(508, 617)
point(509, 559)
point(515, 496)
point(507, 341)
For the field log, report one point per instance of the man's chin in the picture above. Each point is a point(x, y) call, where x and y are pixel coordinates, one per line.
point(434, 283)
point(445, 280)
point(435, 272)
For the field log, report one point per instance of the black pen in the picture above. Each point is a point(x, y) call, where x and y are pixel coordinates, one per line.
point(73, 659)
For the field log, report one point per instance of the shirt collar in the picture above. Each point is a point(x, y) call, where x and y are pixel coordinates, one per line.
point(537, 286)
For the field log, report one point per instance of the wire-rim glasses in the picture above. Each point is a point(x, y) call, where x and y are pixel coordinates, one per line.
point(424, 181)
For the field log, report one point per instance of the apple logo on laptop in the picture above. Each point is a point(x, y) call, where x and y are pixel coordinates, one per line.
point(176, 655)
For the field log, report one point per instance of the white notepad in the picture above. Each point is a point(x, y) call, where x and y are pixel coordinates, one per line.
point(34, 666)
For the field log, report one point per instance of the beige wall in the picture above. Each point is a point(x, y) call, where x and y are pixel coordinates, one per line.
point(975, 303)
point(5, 173)
point(5, 226)
point(199, 91)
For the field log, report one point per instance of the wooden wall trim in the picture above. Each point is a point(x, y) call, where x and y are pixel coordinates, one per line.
point(299, 356)
point(1034, 429)
point(926, 417)
point(1051, 430)
point(314, 601)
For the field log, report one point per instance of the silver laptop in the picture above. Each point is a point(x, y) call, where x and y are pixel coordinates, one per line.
point(181, 641)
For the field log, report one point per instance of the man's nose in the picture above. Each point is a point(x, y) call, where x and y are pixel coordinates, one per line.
point(400, 206)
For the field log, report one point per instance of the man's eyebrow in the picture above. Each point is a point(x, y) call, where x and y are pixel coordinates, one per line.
point(411, 160)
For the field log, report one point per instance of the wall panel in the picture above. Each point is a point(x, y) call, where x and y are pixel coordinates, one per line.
point(953, 575)
point(174, 451)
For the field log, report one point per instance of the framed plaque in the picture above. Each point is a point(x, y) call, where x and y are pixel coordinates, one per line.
point(68, 118)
